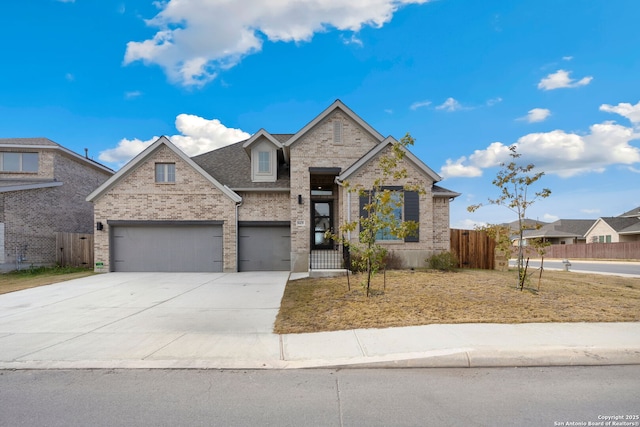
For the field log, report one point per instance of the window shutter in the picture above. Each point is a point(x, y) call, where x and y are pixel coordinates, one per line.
point(412, 213)
point(364, 200)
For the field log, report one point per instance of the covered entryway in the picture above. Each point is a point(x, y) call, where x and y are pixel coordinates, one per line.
point(171, 246)
point(264, 246)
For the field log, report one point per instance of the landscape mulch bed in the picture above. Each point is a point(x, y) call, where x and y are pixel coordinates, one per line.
point(412, 298)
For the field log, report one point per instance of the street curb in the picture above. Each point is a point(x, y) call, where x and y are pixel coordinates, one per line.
point(456, 358)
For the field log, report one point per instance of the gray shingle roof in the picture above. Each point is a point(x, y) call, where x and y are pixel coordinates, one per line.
point(620, 223)
point(635, 213)
point(231, 166)
point(562, 228)
point(28, 141)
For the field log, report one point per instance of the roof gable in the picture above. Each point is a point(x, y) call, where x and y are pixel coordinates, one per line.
point(140, 158)
point(336, 105)
point(377, 149)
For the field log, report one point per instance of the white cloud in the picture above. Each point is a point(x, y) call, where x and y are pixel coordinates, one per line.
point(197, 135)
point(550, 218)
point(567, 58)
point(133, 94)
point(450, 105)
point(560, 79)
point(625, 109)
point(493, 101)
point(536, 115)
point(419, 104)
point(557, 152)
point(196, 39)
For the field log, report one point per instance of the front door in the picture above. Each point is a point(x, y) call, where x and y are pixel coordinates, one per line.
point(322, 215)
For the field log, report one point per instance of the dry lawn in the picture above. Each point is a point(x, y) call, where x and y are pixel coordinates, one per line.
point(19, 280)
point(466, 296)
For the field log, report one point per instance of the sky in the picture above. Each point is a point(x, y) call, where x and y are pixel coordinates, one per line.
point(467, 79)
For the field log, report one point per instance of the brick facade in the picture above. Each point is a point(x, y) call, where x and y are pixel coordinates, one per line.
point(434, 211)
point(318, 149)
point(138, 197)
point(31, 217)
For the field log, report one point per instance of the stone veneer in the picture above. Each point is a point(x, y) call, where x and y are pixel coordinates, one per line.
point(137, 196)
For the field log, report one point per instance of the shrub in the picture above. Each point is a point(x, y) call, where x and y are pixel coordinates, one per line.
point(444, 261)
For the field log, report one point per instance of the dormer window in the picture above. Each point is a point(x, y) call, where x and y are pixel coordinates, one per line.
point(264, 162)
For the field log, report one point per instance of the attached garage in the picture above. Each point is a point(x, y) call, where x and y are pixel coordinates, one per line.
point(169, 246)
point(264, 246)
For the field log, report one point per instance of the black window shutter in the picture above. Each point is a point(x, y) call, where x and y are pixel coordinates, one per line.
point(364, 200)
point(412, 213)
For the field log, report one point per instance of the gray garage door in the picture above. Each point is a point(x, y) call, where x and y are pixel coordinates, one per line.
point(264, 247)
point(171, 248)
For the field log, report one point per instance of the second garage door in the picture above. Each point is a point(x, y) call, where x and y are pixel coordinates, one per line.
point(172, 247)
point(264, 246)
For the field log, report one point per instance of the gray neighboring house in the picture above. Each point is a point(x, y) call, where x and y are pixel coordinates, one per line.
point(622, 228)
point(260, 204)
point(561, 232)
point(43, 187)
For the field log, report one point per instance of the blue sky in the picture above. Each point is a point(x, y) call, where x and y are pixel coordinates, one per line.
point(560, 78)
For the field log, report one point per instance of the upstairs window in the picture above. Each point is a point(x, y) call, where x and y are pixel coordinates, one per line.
point(264, 162)
point(19, 162)
point(165, 172)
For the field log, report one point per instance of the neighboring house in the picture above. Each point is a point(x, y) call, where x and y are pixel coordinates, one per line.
point(43, 187)
point(260, 204)
point(561, 232)
point(623, 228)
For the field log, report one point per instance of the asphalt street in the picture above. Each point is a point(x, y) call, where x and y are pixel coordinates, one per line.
point(621, 268)
point(321, 397)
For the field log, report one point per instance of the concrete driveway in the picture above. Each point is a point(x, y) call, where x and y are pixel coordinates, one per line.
point(141, 318)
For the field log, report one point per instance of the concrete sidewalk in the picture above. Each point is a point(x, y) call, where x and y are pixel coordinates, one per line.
point(224, 321)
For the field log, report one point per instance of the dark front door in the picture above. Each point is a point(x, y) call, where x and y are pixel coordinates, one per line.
point(322, 215)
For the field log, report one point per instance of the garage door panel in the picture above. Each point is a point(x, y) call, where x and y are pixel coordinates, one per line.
point(264, 248)
point(167, 248)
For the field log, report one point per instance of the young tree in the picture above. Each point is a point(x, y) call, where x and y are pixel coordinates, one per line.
point(379, 214)
point(514, 181)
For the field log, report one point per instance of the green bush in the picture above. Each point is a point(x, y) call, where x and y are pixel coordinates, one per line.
point(444, 261)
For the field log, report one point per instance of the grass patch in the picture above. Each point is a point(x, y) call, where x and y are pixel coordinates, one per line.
point(39, 276)
point(467, 296)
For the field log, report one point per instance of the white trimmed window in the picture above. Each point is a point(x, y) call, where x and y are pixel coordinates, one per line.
point(165, 172)
point(18, 162)
point(264, 162)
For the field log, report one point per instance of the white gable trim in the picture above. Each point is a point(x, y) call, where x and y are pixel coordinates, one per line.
point(377, 149)
point(140, 158)
point(336, 105)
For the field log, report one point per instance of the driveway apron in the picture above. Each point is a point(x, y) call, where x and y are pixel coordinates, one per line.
point(142, 320)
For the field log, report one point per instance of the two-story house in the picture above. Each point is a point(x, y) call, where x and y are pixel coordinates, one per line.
point(43, 187)
point(260, 204)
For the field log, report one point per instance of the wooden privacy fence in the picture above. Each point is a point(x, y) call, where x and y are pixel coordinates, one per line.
point(74, 249)
point(475, 249)
point(622, 250)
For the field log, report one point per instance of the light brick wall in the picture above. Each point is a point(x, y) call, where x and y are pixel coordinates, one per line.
point(138, 197)
point(258, 206)
point(32, 217)
point(434, 211)
point(317, 149)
